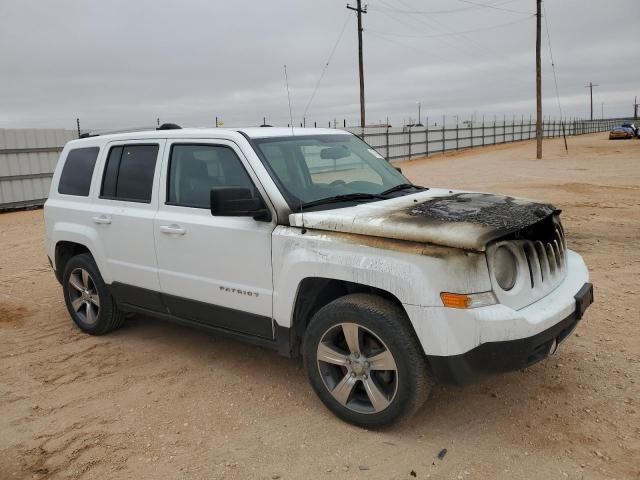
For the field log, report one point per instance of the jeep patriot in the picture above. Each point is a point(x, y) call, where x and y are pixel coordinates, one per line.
point(309, 242)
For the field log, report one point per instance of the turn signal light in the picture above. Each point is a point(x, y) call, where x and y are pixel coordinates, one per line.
point(455, 300)
point(470, 300)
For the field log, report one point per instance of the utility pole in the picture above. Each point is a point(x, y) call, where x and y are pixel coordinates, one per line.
point(359, 10)
point(590, 87)
point(635, 108)
point(419, 115)
point(538, 81)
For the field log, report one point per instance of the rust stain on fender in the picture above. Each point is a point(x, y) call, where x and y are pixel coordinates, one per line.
point(405, 246)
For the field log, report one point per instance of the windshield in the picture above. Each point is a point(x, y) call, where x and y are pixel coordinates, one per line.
point(311, 168)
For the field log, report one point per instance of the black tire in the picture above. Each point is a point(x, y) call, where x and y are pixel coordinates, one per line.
point(96, 320)
point(382, 326)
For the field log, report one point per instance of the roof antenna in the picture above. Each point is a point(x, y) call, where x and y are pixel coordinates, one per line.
point(286, 79)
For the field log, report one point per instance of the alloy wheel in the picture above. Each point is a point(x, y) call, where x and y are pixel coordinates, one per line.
point(84, 296)
point(357, 368)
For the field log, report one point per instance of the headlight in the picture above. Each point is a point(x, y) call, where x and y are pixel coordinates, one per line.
point(505, 268)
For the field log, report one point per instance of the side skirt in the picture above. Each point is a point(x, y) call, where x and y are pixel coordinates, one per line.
point(244, 337)
point(246, 327)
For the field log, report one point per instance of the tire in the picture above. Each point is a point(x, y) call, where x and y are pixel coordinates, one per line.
point(364, 361)
point(87, 297)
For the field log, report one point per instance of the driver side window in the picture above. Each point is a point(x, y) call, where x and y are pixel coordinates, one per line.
point(195, 169)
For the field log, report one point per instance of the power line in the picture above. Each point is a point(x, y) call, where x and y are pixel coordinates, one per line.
point(407, 24)
point(406, 45)
point(437, 35)
point(482, 50)
point(438, 12)
point(441, 26)
point(494, 7)
point(326, 65)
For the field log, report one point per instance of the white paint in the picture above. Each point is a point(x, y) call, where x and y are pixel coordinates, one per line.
point(367, 244)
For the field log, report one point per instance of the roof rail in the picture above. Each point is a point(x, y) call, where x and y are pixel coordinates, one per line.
point(164, 126)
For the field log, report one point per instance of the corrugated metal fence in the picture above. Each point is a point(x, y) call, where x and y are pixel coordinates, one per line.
point(28, 157)
point(27, 160)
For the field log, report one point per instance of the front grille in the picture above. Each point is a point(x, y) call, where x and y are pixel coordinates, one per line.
point(542, 266)
point(547, 262)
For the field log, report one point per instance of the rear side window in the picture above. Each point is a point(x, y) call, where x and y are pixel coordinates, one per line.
point(128, 174)
point(77, 171)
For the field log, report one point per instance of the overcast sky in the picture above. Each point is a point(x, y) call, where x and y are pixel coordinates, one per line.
point(121, 63)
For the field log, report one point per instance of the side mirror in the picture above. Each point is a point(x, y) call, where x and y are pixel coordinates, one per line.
point(238, 202)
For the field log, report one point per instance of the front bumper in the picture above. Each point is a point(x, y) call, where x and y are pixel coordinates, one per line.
point(504, 356)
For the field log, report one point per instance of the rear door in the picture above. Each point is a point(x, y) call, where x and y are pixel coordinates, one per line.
point(213, 270)
point(124, 210)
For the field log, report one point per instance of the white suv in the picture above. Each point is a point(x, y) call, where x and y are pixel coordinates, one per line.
point(309, 242)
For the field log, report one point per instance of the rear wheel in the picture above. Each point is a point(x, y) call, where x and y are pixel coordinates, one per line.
point(364, 361)
point(87, 297)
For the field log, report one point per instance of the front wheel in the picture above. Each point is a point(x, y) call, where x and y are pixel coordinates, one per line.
point(364, 361)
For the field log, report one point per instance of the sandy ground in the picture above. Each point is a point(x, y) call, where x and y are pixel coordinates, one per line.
point(155, 400)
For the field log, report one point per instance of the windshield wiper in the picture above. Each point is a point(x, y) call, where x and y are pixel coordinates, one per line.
point(402, 186)
point(349, 197)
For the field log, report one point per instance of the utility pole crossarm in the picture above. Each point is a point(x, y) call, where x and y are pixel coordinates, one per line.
point(359, 10)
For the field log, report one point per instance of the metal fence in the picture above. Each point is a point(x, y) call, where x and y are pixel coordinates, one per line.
point(27, 160)
point(411, 142)
point(28, 157)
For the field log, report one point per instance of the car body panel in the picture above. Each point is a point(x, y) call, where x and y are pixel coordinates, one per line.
point(457, 219)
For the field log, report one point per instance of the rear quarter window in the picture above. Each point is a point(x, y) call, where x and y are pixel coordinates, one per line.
point(75, 178)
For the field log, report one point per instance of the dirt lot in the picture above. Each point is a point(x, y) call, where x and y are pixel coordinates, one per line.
point(155, 400)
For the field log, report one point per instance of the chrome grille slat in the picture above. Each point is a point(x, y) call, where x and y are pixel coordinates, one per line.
point(543, 260)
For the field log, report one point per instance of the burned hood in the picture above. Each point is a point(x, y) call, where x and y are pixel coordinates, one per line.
point(442, 217)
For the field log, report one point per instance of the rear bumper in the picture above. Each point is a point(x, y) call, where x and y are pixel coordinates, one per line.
point(504, 356)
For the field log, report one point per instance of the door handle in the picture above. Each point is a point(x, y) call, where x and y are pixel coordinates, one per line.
point(102, 219)
point(172, 229)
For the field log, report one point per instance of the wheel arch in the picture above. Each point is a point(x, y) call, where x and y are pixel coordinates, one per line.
point(65, 251)
point(315, 292)
point(72, 239)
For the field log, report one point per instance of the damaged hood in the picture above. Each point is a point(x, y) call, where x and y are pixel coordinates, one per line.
point(449, 218)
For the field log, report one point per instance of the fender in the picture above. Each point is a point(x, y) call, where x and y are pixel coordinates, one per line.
point(73, 232)
point(412, 272)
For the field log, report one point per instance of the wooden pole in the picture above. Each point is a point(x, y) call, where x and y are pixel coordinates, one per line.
point(359, 10)
point(538, 81)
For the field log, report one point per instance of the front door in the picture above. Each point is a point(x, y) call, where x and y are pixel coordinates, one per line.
point(213, 270)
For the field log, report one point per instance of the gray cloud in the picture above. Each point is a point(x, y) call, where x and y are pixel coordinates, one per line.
point(124, 63)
